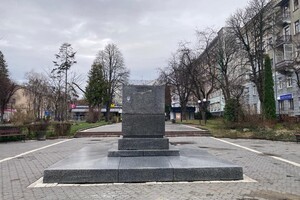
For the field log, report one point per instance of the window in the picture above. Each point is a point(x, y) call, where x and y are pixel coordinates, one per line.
point(296, 4)
point(291, 104)
point(270, 42)
point(286, 10)
point(271, 61)
point(289, 81)
point(297, 53)
point(297, 27)
point(286, 31)
point(281, 105)
point(254, 90)
point(280, 83)
point(255, 108)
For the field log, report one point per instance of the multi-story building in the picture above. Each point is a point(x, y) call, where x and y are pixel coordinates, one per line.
point(285, 53)
point(282, 44)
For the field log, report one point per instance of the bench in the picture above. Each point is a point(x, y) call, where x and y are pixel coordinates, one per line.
point(297, 137)
point(8, 132)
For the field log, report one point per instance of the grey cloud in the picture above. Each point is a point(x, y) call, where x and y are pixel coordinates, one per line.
point(32, 31)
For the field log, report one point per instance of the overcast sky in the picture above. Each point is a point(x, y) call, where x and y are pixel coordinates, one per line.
point(146, 31)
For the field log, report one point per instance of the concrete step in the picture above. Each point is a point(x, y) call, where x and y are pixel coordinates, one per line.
point(167, 134)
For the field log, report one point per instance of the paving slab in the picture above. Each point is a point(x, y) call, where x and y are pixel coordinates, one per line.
point(269, 178)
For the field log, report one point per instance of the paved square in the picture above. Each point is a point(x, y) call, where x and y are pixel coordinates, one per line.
point(272, 167)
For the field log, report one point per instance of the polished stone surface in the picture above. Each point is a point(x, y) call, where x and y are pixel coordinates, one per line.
point(143, 154)
point(135, 125)
point(143, 123)
point(88, 166)
point(143, 143)
point(143, 111)
point(143, 99)
point(135, 153)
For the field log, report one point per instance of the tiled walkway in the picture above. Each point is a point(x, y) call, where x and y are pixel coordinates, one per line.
point(273, 167)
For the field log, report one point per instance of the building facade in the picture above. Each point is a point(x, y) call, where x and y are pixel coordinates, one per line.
point(285, 53)
point(282, 44)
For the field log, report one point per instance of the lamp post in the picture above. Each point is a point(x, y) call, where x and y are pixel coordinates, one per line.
point(199, 103)
point(278, 99)
point(204, 110)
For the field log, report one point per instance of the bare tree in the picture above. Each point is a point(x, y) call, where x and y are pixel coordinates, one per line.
point(204, 68)
point(114, 71)
point(251, 26)
point(56, 96)
point(37, 89)
point(230, 70)
point(178, 76)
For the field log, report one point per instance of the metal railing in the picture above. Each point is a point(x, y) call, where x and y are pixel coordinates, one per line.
point(283, 39)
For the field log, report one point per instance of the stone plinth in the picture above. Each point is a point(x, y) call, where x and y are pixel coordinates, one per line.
point(143, 123)
point(143, 143)
point(88, 166)
point(143, 154)
point(143, 126)
point(143, 111)
point(143, 99)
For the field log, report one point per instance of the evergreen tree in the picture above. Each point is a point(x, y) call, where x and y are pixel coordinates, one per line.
point(95, 91)
point(3, 67)
point(231, 110)
point(269, 105)
point(64, 60)
point(7, 87)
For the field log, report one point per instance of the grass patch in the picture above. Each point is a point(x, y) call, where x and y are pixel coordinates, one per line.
point(248, 130)
point(80, 126)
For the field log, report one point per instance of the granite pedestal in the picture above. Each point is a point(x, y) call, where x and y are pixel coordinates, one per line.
point(88, 166)
point(143, 123)
point(143, 154)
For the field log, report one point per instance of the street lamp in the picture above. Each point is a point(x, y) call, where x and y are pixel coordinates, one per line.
point(199, 103)
point(204, 110)
point(278, 99)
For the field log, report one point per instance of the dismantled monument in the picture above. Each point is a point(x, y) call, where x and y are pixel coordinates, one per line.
point(143, 153)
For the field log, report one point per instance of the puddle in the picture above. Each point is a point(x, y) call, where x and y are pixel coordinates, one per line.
point(270, 154)
point(181, 143)
point(214, 148)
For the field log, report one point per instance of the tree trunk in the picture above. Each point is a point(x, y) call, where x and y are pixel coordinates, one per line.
point(107, 116)
point(2, 113)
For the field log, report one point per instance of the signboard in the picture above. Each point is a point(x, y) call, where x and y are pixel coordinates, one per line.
point(285, 97)
point(47, 113)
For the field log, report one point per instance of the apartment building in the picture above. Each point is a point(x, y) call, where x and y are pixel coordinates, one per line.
point(285, 53)
point(282, 44)
point(232, 74)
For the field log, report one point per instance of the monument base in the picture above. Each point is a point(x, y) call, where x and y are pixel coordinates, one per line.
point(138, 153)
point(88, 166)
point(143, 143)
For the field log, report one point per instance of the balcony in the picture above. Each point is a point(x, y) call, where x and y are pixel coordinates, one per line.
point(284, 66)
point(285, 18)
point(284, 63)
point(284, 39)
